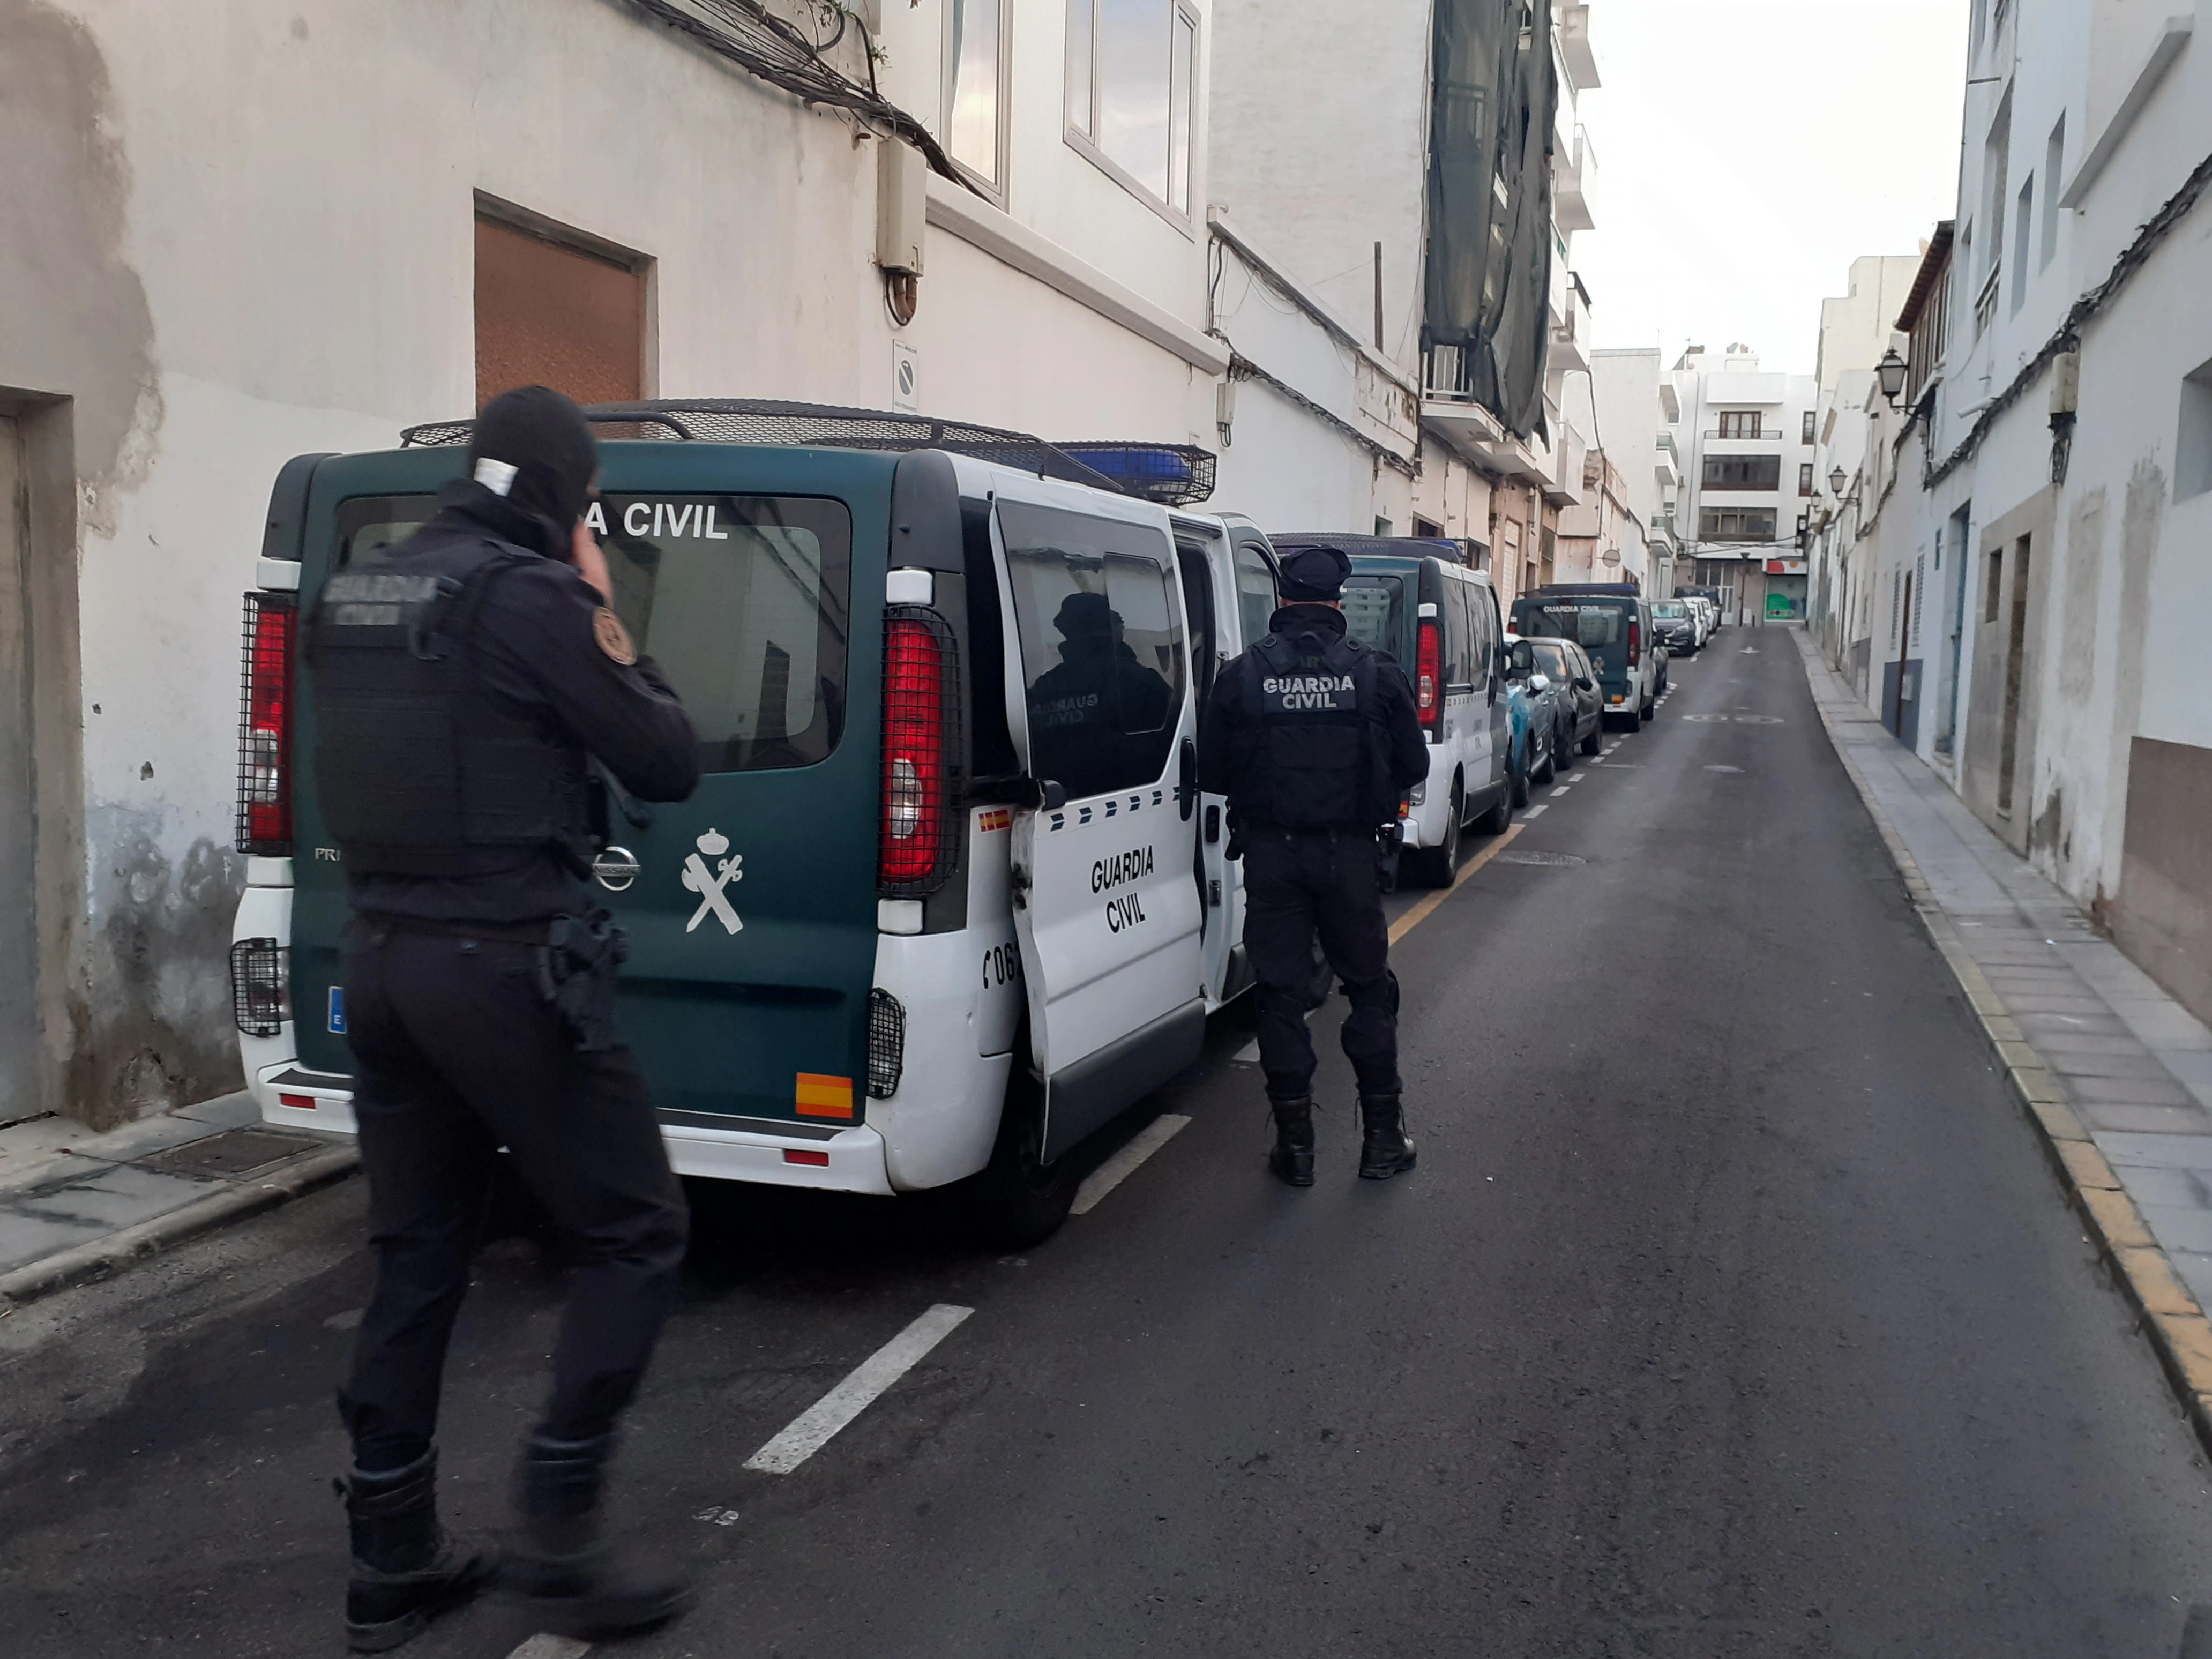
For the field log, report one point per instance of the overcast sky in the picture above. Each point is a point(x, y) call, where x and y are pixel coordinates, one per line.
point(1748, 150)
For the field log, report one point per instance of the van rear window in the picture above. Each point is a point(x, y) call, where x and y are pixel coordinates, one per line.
point(1375, 612)
point(1592, 626)
point(743, 600)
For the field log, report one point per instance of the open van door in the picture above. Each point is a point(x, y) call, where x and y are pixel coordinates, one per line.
point(1099, 700)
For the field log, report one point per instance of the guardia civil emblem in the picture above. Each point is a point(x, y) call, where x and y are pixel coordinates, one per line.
point(712, 885)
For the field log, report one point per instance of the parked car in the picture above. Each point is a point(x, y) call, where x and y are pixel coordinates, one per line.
point(1528, 713)
point(1708, 614)
point(1612, 621)
point(1676, 627)
point(1578, 707)
point(1715, 596)
point(1415, 599)
point(1547, 700)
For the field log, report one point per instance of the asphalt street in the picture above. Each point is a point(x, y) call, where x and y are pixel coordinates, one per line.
point(1732, 1311)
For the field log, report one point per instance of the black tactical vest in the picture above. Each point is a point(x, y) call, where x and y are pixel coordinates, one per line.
point(420, 767)
point(1320, 761)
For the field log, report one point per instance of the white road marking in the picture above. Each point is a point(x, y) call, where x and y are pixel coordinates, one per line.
point(542, 1646)
point(812, 1428)
point(1561, 790)
point(1248, 1055)
point(1537, 812)
point(1119, 1167)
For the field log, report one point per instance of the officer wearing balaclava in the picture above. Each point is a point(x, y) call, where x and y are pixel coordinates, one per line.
point(464, 682)
point(1313, 738)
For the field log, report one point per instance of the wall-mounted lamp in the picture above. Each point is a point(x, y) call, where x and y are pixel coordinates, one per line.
point(1837, 480)
point(1891, 372)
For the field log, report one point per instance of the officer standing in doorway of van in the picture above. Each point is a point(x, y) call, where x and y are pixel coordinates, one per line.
point(464, 682)
point(1315, 739)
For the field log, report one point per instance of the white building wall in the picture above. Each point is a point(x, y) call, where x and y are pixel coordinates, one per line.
point(216, 282)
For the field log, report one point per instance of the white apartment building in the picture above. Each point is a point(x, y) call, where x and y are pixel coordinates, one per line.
point(2028, 579)
point(1634, 404)
point(1322, 213)
point(1746, 438)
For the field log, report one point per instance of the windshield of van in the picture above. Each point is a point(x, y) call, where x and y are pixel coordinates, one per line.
point(740, 599)
point(1375, 612)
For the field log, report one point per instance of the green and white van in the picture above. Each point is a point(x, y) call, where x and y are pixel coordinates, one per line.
point(947, 900)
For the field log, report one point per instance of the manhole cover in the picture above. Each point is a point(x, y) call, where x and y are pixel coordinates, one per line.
point(233, 1153)
point(1541, 861)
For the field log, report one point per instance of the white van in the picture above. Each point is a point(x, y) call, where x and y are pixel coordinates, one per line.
point(948, 899)
point(1415, 599)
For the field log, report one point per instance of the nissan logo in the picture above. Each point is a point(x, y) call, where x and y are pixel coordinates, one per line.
point(615, 868)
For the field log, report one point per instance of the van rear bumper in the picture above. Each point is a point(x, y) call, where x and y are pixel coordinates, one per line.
point(292, 1098)
point(855, 1157)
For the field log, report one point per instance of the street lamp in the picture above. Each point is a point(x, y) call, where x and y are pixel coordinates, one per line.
point(1838, 479)
point(1891, 372)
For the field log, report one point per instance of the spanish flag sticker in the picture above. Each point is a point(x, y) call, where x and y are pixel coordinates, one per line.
point(825, 1097)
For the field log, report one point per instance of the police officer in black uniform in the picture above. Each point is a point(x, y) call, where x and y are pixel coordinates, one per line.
point(1315, 739)
point(465, 681)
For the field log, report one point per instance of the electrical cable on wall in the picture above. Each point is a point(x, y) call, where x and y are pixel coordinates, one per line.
point(2083, 312)
point(769, 49)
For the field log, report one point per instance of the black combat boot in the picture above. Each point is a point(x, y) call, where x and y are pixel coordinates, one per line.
point(405, 1570)
point(1292, 1158)
point(1383, 1148)
point(569, 1578)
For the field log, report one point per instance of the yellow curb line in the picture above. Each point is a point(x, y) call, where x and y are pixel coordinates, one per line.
point(2169, 1314)
point(1421, 912)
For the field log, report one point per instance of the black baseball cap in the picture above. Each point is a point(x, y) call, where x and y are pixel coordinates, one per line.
point(1311, 574)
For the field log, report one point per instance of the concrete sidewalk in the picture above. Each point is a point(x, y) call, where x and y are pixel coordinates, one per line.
point(75, 1206)
point(2116, 1072)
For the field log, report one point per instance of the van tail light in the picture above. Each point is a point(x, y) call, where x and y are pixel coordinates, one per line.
point(921, 721)
point(260, 986)
point(265, 727)
point(1635, 642)
point(1428, 678)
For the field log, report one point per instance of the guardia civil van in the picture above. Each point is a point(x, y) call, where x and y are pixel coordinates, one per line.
point(948, 899)
point(1416, 599)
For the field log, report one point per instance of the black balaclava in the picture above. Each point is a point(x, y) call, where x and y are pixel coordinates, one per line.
point(541, 435)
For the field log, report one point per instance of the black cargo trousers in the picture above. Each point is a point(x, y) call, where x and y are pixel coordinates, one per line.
point(1298, 884)
point(456, 1054)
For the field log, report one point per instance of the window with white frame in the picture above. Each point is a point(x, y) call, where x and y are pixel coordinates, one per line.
point(975, 88)
point(1131, 70)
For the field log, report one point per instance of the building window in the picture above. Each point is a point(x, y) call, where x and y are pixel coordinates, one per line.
point(975, 88)
point(1732, 523)
point(2192, 459)
point(1743, 472)
point(1806, 436)
point(2054, 159)
point(1994, 588)
point(553, 311)
point(1131, 67)
point(1740, 423)
point(1805, 485)
point(2022, 233)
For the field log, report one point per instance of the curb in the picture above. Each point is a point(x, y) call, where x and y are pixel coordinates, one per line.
point(99, 1258)
point(2180, 1335)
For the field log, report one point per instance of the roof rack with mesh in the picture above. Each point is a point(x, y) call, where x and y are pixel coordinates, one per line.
point(753, 421)
point(1174, 475)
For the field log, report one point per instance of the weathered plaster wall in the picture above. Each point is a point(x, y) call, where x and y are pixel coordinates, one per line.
point(217, 278)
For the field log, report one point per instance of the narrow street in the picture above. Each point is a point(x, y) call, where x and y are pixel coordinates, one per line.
point(1732, 1310)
